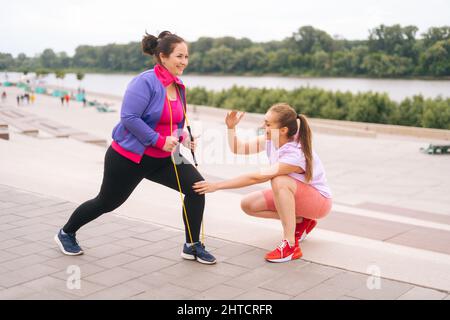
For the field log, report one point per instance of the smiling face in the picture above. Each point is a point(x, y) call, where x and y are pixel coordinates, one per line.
point(177, 61)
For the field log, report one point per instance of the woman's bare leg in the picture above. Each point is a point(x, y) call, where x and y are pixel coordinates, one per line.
point(284, 189)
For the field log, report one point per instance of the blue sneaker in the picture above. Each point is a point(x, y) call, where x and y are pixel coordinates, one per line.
point(68, 243)
point(197, 252)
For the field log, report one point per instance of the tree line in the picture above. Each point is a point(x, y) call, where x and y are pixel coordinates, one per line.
point(317, 103)
point(389, 51)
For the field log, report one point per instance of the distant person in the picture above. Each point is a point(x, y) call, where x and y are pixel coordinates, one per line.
point(142, 147)
point(33, 98)
point(67, 98)
point(27, 97)
point(62, 100)
point(299, 193)
point(21, 98)
point(4, 96)
point(84, 102)
point(18, 100)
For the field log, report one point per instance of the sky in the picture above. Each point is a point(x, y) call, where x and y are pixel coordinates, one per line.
point(30, 26)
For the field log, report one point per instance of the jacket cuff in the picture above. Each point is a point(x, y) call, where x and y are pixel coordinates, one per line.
point(160, 142)
point(184, 136)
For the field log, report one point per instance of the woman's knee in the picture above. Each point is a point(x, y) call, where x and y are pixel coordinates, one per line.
point(252, 203)
point(283, 183)
point(246, 205)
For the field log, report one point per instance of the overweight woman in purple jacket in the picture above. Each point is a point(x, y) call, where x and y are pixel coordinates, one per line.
point(150, 130)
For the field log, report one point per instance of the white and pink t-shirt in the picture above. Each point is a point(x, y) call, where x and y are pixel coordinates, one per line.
point(291, 153)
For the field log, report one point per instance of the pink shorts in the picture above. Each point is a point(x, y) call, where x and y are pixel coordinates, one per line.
point(309, 202)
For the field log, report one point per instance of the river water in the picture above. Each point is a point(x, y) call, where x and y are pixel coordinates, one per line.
point(115, 84)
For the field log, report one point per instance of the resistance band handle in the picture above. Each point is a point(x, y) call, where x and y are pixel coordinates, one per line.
point(192, 140)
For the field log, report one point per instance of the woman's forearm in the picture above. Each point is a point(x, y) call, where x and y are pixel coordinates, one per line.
point(234, 143)
point(242, 181)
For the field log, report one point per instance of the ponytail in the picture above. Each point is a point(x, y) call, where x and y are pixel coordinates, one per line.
point(305, 139)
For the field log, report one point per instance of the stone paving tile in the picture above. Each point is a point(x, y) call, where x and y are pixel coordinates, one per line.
point(114, 276)
point(250, 259)
point(363, 226)
point(173, 254)
point(347, 280)
point(231, 250)
point(253, 278)
point(262, 294)
point(405, 212)
point(123, 234)
point(17, 292)
point(219, 292)
point(143, 228)
point(9, 218)
point(155, 279)
point(199, 281)
point(10, 243)
point(20, 276)
point(86, 270)
point(149, 264)
point(63, 261)
point(20, 208)
point(105, 250)
point(166, 292)
point(7, 205)
point(103, 229)
point(6, 226)
point(131, 243)
point(116, 260)
point(419, 293)
point(157, 235)
point(420, 238)
point(47, 285)
point(118, 292)
point(296, 282)
point(153, 247)
point(389, 290)
point(322, 292)
point(97, 241)
point(23, 262)
point(7, 256)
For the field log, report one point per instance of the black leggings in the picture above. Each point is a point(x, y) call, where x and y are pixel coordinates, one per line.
point(120, 178)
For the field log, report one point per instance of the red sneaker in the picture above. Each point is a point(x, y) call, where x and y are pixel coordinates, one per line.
point(284, 252)
point(303, 228)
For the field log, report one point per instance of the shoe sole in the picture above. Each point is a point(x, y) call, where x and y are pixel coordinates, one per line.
point(192, 258)
point(61, 247)
point(290, 257)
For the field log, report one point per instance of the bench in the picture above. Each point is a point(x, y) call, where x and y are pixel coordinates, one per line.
point(4, 133)
point(436, 149)
point(16, 120)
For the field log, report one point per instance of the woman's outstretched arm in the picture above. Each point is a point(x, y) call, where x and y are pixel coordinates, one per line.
point(249, 179)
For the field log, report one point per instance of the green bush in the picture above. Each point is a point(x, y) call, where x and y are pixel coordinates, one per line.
point(317, 103)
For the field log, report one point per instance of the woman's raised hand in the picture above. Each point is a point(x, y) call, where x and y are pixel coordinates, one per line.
point(232, 119)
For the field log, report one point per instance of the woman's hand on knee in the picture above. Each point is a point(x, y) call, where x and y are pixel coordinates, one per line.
point(202, 187)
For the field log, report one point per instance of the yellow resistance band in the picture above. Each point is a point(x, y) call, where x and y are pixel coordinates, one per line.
point(176, 170)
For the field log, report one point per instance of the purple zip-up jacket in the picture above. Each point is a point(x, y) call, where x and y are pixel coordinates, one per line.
point(141, 111)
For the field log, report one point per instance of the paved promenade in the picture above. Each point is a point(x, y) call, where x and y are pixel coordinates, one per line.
point(128, 259)
point(390, 219)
